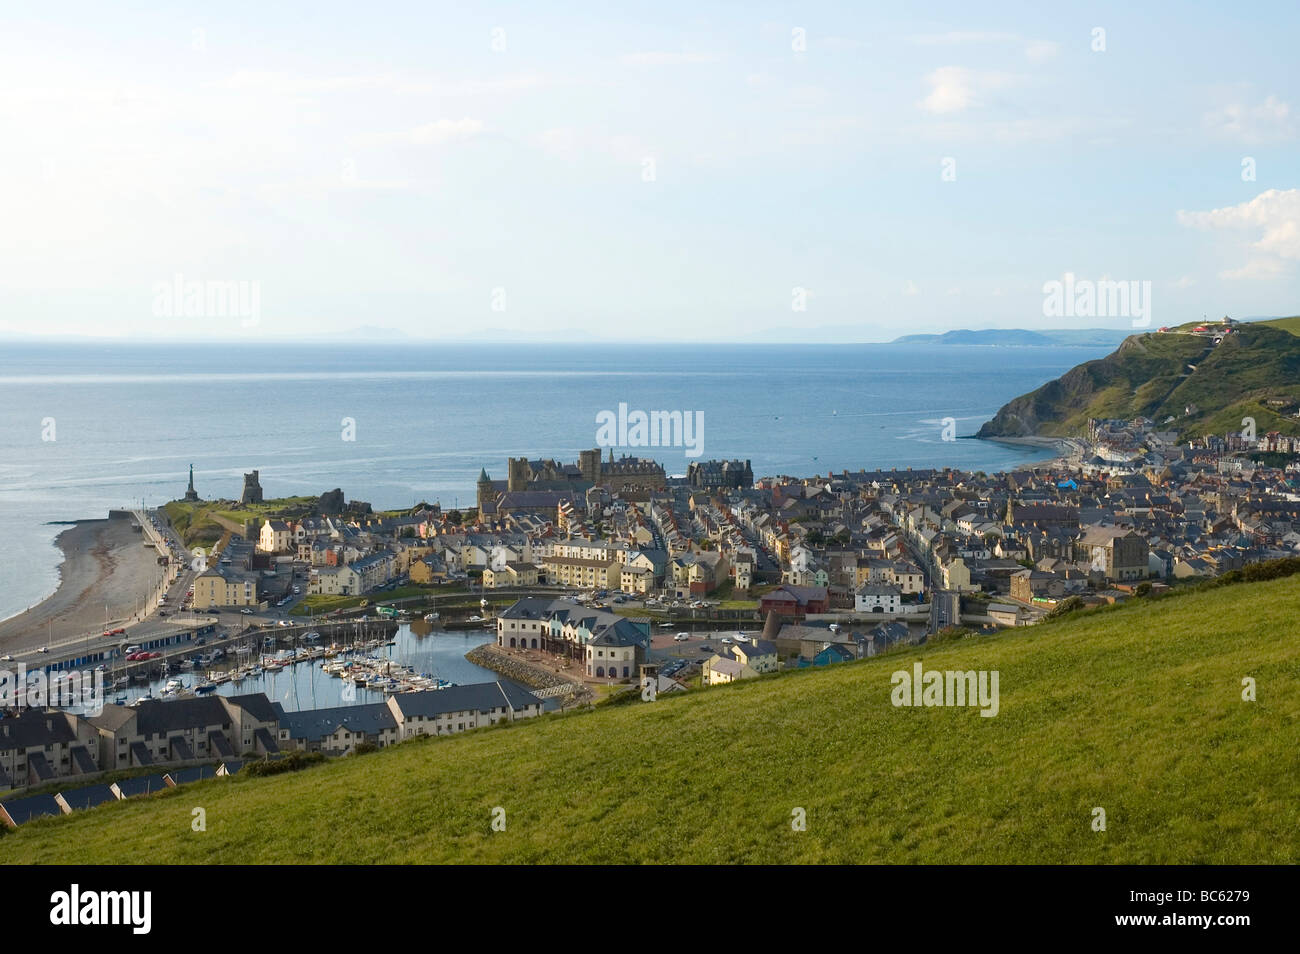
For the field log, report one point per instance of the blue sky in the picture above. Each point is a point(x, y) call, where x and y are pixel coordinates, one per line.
point(656, 171)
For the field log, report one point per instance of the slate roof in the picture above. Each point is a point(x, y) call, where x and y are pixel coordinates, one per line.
point(79, 799)
point(479, 697)
point(23, 810)
point(38, 766)
point(185, 776)
point(314, 725)
point(35, 727)
point(140, 785)
point(81, 760)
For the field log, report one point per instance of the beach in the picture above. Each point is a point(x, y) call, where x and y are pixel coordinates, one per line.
point(105, 564)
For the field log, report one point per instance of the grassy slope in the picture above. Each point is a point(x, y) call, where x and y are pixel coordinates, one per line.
point(1149, 375)
point(1291, 324)
point(1137, 710)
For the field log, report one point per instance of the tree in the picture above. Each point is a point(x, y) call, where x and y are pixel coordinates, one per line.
point(1065, 607)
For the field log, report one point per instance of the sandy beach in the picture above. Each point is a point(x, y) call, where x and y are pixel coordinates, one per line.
point(105, 563)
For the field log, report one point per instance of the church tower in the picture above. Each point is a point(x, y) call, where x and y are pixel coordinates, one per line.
point(484, 490)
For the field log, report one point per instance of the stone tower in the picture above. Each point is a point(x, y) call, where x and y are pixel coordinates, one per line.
point(517, 474)
point(484, 488)
point(191, 494)
point(589, 464)
point(252, 489)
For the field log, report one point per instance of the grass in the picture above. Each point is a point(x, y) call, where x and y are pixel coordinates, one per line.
point(202, 522)
point(1136, 709)
point(1291, 324)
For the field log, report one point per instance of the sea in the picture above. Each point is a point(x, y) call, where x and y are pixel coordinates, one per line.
point(87, 427)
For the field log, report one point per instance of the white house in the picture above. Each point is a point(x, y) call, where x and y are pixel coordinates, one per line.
point(878, 598)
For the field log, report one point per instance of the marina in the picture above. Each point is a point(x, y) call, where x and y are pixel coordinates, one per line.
point(315, 676)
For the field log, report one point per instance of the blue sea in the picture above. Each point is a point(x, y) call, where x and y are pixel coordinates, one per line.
point(87, 427)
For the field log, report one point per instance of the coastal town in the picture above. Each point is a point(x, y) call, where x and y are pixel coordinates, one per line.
point(606, 575)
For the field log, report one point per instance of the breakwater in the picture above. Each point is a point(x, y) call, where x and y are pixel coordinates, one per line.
point(526, 674)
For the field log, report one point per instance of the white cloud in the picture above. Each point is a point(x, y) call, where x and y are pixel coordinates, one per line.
point(1270, 121)
point(1261, 269)
point(1274, 215)
point(955, 88)
point(444, 131)
point(911, 289)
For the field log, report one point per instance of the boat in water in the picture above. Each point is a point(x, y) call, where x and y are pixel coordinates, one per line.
point(430, 617)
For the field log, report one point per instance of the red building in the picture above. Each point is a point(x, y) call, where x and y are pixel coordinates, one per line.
point(795, 600)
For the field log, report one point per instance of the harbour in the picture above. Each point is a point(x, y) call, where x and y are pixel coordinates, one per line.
point(315, 675)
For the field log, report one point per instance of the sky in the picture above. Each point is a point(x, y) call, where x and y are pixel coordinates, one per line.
point(664, 171)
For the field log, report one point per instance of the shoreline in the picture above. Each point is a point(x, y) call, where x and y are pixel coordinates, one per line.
point(1059, 446)
point(104, 565)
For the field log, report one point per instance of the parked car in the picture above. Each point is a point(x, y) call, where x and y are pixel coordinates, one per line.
point(246, 611)
point(682, 636)
point(6, 658)
point(43, 649)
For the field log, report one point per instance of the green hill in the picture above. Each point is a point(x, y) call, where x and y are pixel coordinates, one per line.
point(1136, 710)
point(1160, 376)
point(1291, 324)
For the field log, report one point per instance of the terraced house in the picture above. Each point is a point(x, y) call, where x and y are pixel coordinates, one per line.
point(461, 708)
point(39, 746)
point(206, 727)
point(568, 627)
point(225, 586)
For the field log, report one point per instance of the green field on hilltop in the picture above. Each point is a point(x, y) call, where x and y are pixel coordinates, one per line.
point(1291, 324)
point(1137, 710)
